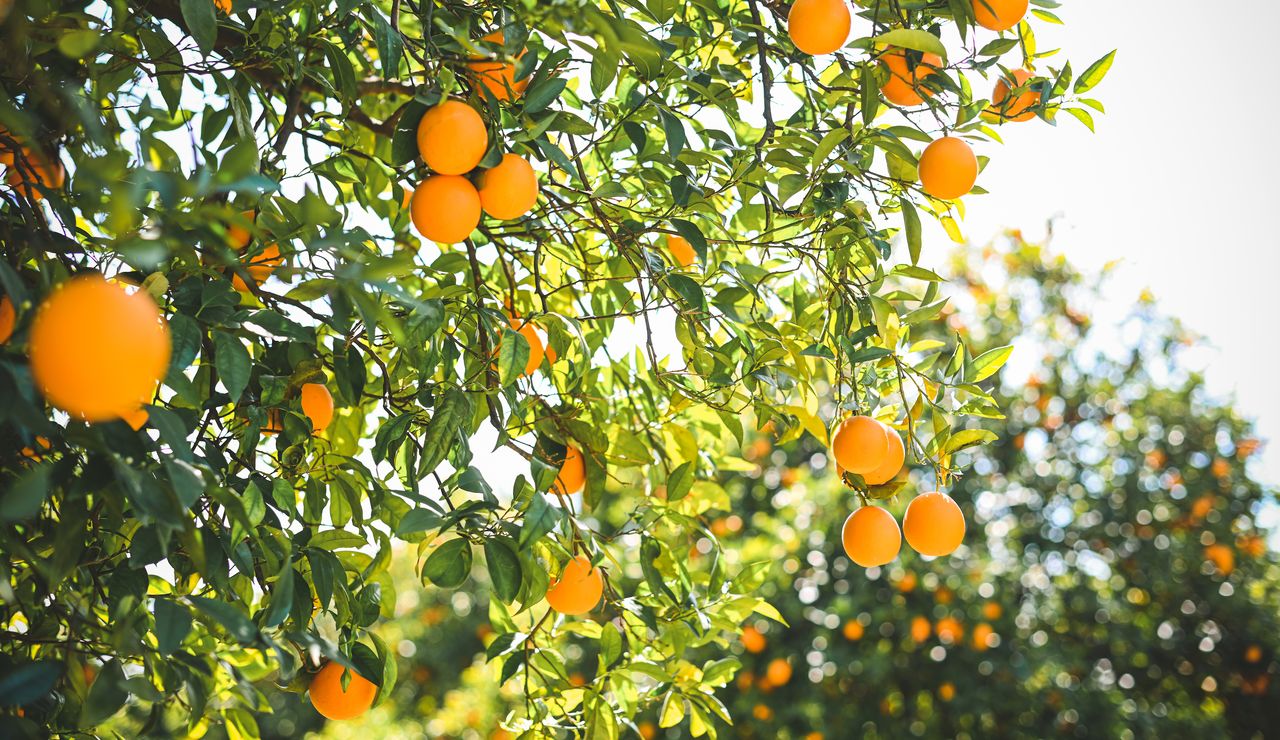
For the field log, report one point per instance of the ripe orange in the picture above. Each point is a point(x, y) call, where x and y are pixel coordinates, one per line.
point(1018, 108)
point(8, 319)
point(819, 26)
point(317, 404)
point(223, 5)
point(933, 524)
point(903, 86)
point(97, 349)
point(947, 691)
point(260, 266)
point(893, 461)
point(949, 630)
point(452, 138)
point(578, 589)
point(860, 444)
point(1252, 654)
point(681, 250)
point(871, 536)
point(853, 630)
point(1222, 557)
point(999, 15)
point(331, 701)
point(275, 422)
point(920, 629)
point(992, 610)
point(573, 472)
point(36, 169)
point(238, 236)
point(510, 189)
point(136, 419)
point(446, 208)
point(527, 330)
point(778, 672)
point(498, 77)
point(753, 640)
point(647, 730)
point(948, 168)
point(982, 636)
point(762, 712)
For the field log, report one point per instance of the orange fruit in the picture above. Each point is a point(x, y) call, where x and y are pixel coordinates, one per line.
point(96, 349)
point(947, 691)
point(871, 536)
point(933, 524)
point(1201, 507)
point(8, 319)
point(681, 250)
point(762, 712)
point(498, 77)
point(778, 672)
point(920, 629)
point(992, 610)
point(1252, 654)
point(317, 404)
point(452, 138)
point(908, 582)
point(853, 630)
point(893, 460)
point(819, 26)
point(1252, 545)
point(260, 266)
point(999, 15)
point(860, 444)
point(510, 189)
point(948, 168)
point(527, 330)
point(136, 419)
point(1222, 557)
point(903, 86)
point(34, 170)
point(37, 449)
point(446, 208)
point(1019, 108)
point(753, 640)
point(238, 236)
point(329, 699)
point(223, 5)
point(573, 472)
point(275, 422)
point(578, 589)
point(949, 630)
point(982, 636)
point(647, 730)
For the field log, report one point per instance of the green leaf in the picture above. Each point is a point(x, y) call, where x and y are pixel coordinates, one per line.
point(201, 22)
point(28, 682)
point(281, 596)
point(968, 438)
point(417, 520)
point(450, 564)
point(232, 362)
point(173, 624)
point(680, 481)
point(404, 140)
point(1081, 115)
point(513, 356)
point(452, 412)
point(504, 569)
point(1093, 75)
point(911, 227)
point(542, 95)
point(24, 496)
point(674, 130)
point(234, 621)
point(988, 363)
point(539, 519)
point(106, 696)
point(915, 39)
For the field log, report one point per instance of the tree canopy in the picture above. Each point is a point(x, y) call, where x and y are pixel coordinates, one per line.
point(710, 254)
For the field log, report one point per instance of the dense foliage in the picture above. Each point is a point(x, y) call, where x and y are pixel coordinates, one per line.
point(246, 164)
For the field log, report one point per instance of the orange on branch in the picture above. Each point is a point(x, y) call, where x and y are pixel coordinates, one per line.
point(999, 15)
point(860, 444)
point(259, 266)
point(136, 419)
point(948, 168)
point(275, 422)
point(452, 138)
point(496, 76)
point(238, 236)
point(819, 26)
point(893, 461)
point(223, 5)
point(903, 86)
point(329, 698)
point(853, 630)
point(510, 189)
point(36, 170)
point(578, 589)
point(920, 629)
point(317, 404)
point(949, 630)
point(982, 636)
point(681, 250)
point(1222, 557)
point(778, 671)
point(97, 349)
point(527, 330)
point(871, 536)
point(753, 640)
point(992, 610)
point(8, 319)
point(573, 472)
point(1007, 107)
point(947, 691)
point(446, 208)
point(933, 524)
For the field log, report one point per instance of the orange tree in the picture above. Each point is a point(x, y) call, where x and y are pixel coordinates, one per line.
point(233, 374)
point(1114, 581)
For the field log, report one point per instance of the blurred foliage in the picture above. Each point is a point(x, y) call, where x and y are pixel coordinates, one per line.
point(1094, 596)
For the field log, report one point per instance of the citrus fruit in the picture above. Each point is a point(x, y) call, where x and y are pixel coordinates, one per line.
point(920, 629)
point(933, 524)
point(137, 418)
point(237, 235)
point(445, 208)
point(329, 698)
point(259, 266)
point(510, 189)
point(853, 630)
point(8, 319)
point(860, 444)
point(1019, 107)
point(452, 138)
point(753, 640)
point(871, 537)
point(819, 26)
point(37, 449)
point(999, 15)
point(530, 334)
point(947, 691)
point(681, 250)
point(573, 472)
point(778, 671)
point(893, 460)
point(578, 589)
point(317, 404)
point(35, 170)
point(96, 349)
point(275, 422)
point(949, 630)
point(982, 636)
point(1222, 557)
point(496, 76)
point(948, 168)
point(903, 86)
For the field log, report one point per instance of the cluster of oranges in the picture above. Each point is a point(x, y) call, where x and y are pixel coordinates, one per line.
point(948, 168)
point(933, 523)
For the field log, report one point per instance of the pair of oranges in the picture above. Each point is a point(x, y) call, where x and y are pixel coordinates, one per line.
point(822, 26)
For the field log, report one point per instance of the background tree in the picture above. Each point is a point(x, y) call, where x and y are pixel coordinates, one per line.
point(246, 165)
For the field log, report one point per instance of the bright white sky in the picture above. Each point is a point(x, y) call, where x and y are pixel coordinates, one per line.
point(1173, 184)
